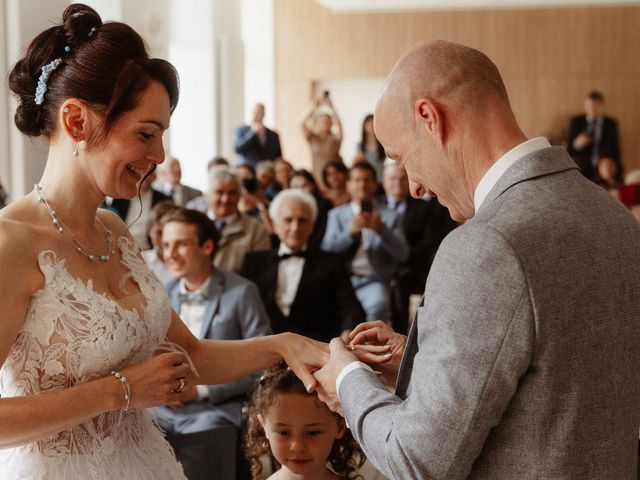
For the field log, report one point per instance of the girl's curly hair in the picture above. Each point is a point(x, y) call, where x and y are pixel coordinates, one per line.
point(345, 458)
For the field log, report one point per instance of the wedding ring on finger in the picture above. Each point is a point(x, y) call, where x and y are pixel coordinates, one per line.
point(180, 387)
point(351, 347)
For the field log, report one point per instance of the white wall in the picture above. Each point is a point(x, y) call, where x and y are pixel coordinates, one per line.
point(353, 100)
point(259, 57)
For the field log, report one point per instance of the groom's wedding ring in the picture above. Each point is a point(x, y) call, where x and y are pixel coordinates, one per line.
point(180, 387)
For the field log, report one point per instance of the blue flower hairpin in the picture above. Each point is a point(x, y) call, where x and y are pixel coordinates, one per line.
point(47, 70)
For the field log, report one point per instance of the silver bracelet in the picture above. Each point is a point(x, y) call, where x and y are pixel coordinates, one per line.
point(127, 388)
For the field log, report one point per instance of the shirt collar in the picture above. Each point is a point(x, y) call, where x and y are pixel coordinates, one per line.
point(498, 169)
point(201, 289)
point(284, 250)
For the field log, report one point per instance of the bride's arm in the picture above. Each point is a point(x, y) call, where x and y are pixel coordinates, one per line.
point(31, 418)
point(219, 361)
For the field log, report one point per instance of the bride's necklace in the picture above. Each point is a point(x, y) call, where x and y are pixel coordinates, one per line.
point(64, 230)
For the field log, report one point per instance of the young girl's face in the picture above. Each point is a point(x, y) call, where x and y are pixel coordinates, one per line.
point(301, 432)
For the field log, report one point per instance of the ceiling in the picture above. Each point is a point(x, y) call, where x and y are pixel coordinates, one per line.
point(362, 6)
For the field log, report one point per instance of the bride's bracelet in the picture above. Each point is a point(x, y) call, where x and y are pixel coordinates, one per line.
point(126, 386)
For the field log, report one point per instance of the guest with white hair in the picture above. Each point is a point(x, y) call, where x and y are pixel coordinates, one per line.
point(304, 289)
point(239, 233)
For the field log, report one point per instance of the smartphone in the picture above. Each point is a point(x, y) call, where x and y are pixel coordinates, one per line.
point(250, 184)
point(366, 205)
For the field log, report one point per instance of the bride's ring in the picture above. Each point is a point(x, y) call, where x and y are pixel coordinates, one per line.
point(180, 387)
point(352, 347)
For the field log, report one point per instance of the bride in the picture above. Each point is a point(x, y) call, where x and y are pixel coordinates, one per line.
point(87, 337)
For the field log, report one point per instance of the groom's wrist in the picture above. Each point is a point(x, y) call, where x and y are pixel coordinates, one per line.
point(350, 367)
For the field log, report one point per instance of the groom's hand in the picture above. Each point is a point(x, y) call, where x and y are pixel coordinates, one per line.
point(339, 357)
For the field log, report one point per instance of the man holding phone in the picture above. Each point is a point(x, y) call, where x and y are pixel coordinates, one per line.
point(371, 238)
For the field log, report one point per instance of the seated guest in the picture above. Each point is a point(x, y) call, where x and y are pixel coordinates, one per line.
point(304, 289)
point(334, 177)
point(371, 237)
point(169, 177)
point(213, 304)
point(239, 233)
point(609, 176)
point(200, 202)
point(302, 179)
point(283, 170)
point(153, 256)
point(266, 177)
point(425, 223)
point(137, 214)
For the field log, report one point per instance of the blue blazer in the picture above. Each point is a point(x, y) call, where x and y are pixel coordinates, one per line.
point(233, 311)
point(387, 249)
point(251, 150)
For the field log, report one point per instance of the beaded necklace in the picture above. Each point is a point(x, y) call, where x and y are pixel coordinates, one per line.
point(64, 230)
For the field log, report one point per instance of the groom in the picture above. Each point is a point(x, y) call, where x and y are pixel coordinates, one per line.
point(523, 361)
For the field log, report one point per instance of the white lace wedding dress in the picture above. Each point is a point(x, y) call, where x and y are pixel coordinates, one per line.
point(73, 334)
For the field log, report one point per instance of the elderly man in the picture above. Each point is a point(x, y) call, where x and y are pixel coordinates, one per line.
point(305, 290)
point(239, 233)
point(170, 177)
point(213, 304)
point(523, 361)
point(255, 142)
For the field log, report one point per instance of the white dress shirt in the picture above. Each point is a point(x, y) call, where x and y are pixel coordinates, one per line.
point(192, 315)
point(485, 185)
point(289, 274)
point(360, 265)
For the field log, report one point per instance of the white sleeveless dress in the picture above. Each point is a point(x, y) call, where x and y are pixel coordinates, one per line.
point(71, 335)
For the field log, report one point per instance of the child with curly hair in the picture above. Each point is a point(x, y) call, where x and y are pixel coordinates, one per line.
point(305, 440)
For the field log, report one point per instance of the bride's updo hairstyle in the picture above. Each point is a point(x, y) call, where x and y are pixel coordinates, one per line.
point(105, 65)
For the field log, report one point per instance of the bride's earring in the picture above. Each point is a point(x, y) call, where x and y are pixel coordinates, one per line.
point(76, 152)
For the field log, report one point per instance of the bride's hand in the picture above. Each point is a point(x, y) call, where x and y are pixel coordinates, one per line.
point(160, 380)
point(304, 356)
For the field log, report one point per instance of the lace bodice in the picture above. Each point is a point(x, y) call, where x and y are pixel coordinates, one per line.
point(73, 334)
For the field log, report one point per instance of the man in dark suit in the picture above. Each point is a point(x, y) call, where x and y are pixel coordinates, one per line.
point(305, 290)
point(592, 136)
point(256, 142)
point(217, 305)
point(425, 223)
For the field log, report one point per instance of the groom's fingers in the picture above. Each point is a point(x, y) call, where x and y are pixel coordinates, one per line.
point(361, 327)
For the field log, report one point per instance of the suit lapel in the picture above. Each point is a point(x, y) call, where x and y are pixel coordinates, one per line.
point(307, 273)
point(213, 299)
point(410, 350)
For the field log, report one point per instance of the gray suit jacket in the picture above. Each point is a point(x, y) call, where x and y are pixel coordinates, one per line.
point(386, 250)
point(523, 361)
point(233, 311)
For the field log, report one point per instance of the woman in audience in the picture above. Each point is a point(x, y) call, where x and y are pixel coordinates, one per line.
point(283, 170)
point(266, 176)
point(87, 338)
point(334, 177)
point(609, 176)
point(304, 180)
point(323, 130)
point(370, 149)
point(153, 256)
point(304, 439)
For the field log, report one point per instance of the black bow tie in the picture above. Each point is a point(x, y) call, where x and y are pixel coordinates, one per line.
point(299, 253)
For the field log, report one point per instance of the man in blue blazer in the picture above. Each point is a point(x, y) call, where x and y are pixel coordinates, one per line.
point(371, 238)
point(213, 304)
point(256, 142)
